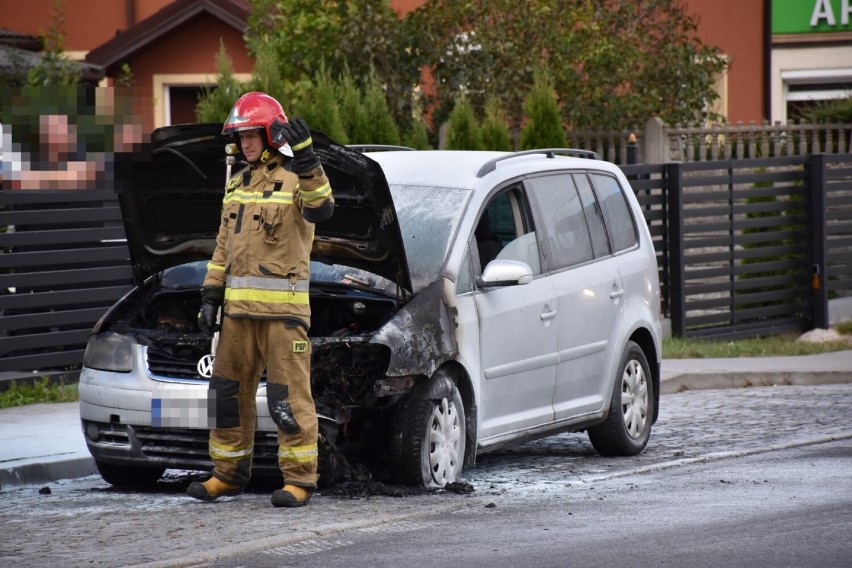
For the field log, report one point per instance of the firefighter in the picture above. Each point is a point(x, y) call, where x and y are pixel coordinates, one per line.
point(259, 276)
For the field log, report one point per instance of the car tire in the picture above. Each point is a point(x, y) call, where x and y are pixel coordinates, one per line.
point(627, 427)
point(126, 476)
point(428, 440)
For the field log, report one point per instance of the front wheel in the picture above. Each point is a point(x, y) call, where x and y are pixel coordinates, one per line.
point(628, 424)
point(428, 440)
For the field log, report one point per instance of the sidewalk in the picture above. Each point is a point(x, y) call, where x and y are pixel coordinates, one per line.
point(41, 443)
point(695, 374)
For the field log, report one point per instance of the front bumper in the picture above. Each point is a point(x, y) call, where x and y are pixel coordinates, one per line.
point(135, 419)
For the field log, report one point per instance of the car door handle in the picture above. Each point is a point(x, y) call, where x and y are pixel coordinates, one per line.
point(616, 293)
point(548, 315)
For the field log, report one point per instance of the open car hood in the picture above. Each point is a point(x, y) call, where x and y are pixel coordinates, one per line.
point(171, 202)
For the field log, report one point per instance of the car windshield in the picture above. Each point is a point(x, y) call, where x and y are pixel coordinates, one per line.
point(428, 218)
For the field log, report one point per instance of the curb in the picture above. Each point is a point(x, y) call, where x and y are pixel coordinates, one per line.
point(698, 380)
point(46, 472)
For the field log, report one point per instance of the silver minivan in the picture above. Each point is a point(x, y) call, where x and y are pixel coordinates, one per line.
point(461, 301)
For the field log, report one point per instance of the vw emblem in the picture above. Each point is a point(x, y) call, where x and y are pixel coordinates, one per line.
point(205, 366)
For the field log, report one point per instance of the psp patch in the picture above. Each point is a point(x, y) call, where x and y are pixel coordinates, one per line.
point(300, 346)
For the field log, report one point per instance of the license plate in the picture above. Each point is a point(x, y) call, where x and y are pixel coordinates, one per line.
point(182, 410)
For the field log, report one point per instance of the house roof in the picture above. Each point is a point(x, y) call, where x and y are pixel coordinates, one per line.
point(20, 52)
point(125, 44)
point(20, 40)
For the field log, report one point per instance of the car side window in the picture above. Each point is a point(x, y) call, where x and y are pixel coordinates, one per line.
point(504, 231)
point(562, 219)
point(488, 243)
point(465, 280)
point(594, 216)
point(619, 222)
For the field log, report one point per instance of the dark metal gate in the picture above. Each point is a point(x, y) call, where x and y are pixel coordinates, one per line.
point(749, 247)
point(64, 261)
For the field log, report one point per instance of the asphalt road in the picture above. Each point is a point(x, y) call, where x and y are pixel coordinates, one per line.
point(696, 448)
point(787, 508)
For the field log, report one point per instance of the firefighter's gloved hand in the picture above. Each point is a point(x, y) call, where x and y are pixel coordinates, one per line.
point(212, 298)
point(207, 318)
point(298, 136)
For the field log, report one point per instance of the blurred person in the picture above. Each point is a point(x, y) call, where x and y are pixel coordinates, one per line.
point(60, 163)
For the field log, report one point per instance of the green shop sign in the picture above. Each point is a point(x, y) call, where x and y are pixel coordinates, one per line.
point(811, 16)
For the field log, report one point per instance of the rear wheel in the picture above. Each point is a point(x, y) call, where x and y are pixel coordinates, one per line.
point(428, 440)
point(128, 476)
point(628, 425)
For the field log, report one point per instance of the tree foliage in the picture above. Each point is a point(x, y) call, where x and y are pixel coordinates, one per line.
point(495, 128)
point(613, 63)
point(322, 111)
point(214, 103)
point(463, 132)
point(544, 123)
point(832, 111)
point(352, 110)
point(353, 37)
point(380, 124)
point(418, 136)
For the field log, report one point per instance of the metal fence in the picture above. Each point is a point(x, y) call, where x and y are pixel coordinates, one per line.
point(745, 247)
point(63, 263)
point(657, 142)
point(749, 247)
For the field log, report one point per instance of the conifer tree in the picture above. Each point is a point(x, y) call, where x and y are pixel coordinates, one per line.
point(495, 127)
point(544, 124)
point(266, 77)
point(418, 136)
point(463, 132)
point(352, 111)
point(214, 103)
point(322, 111)
point(380, 123)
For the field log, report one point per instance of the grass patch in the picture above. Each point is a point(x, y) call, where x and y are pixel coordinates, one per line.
point(42, 390)
point(844, 328)
point(778, 345)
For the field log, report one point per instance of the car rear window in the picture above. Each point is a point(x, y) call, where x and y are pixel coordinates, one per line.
point(616, 212)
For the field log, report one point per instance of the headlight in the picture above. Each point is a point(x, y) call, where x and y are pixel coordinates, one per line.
point(109, 352)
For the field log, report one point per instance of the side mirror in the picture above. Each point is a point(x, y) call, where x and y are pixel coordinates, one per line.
point(505, 273)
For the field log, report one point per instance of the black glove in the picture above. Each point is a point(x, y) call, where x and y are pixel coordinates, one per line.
point(207, 318)
point(212, 298)
point(298, 136)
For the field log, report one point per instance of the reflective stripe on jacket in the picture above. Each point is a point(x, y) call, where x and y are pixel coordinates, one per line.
point(264, 243)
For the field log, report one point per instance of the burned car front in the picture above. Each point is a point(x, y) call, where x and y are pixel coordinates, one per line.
point(144, 384)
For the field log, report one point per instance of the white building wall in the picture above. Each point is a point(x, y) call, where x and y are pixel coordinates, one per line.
point(813, 66)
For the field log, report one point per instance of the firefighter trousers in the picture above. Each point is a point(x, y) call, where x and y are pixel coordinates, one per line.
point(247, 346)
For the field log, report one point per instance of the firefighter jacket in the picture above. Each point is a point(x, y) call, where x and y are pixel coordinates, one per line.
point(264, 243)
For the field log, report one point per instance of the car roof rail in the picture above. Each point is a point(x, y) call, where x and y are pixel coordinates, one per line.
point(377, 147)
point(491, 164)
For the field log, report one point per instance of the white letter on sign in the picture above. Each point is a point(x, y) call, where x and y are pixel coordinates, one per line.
point(822, 11)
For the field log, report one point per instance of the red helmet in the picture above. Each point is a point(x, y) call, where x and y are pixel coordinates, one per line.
point(256, 110)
